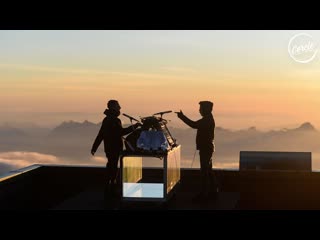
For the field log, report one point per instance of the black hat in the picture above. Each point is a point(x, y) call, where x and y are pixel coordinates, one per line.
point(206, 106)
point(112, 103)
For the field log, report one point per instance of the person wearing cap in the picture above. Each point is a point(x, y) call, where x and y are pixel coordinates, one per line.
point(205, 144)
point(111, 133)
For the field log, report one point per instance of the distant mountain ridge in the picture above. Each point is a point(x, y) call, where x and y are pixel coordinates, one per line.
point(66, 125)
point(73, 140)
point(87, 128)
point(7, 131)
point(73, 124)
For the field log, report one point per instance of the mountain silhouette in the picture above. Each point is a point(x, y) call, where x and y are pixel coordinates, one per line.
point(307, 126)
point(75, 129)
point(72, 140)
point(6, 131)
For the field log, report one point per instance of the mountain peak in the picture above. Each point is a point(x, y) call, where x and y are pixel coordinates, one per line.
point(307, 126)
point(74, 125)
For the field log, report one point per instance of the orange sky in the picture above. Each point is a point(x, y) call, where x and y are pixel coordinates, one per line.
point(51, 76)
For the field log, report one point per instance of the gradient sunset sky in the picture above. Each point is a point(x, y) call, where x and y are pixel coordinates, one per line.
point(47, 77)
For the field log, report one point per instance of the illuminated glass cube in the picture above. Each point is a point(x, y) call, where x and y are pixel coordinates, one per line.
point(149, 177)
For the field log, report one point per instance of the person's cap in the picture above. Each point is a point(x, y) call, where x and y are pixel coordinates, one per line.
point(206, 104)
point(112, 103)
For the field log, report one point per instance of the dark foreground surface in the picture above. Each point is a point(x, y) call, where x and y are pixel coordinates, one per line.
point(83, 188)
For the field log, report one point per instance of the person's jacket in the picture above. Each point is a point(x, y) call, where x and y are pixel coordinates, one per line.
point(111, 133)
point(205, 131)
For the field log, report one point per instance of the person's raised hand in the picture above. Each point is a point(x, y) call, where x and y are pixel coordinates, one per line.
point(179, 114)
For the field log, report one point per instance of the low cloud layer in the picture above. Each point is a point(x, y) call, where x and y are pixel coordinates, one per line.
point(98, 160)
point(15, 160)
point(234, 165)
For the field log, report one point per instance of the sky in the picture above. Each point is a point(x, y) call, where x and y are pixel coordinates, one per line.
point(47, 77)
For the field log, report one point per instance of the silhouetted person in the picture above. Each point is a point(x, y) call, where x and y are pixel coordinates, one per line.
point(111, 133)
point(205, 144)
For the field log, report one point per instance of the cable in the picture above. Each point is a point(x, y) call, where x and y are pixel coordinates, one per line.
point(193, 157)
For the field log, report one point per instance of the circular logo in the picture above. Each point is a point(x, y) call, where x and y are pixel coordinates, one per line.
point(302, 48)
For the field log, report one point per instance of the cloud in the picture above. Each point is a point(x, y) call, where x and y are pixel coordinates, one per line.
point(15, 160)
point(179, 69)
point(51, 69)
point(26, 156)
point(99, 160)
point(232, 165)
point(93, 72)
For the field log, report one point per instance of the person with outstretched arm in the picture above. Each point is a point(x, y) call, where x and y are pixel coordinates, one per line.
point(205, 144)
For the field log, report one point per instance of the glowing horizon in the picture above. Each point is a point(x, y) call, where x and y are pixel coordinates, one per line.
point(50, 76)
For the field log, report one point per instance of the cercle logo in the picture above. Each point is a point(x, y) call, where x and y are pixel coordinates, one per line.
point(302, 48)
